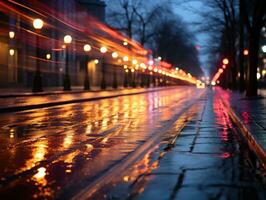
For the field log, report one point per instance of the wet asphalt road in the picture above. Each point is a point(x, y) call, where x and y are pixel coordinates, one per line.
point(45, 153)
point(75, 150)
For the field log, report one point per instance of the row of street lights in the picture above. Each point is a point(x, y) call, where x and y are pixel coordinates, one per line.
point(37, 82)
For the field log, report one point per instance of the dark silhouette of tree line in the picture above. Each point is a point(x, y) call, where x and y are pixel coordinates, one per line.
point(157, 27)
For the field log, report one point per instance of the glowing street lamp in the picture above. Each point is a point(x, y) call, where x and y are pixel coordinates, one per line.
point(67, 39)
point(245, 52)
point(263, 48)
point(114, 55)
point(125, 43)
point(11, 52)
point(38, 24)
point(86, 48)
point(125, 58)
point(134, 62)
point(37, 81)
point(103, 50)
point(67, 82)
point(11, 34)
point(115, 84)
point(48, 56)
point(225, 61)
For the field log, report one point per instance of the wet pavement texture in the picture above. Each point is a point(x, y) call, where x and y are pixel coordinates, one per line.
point(54, 152)
point(171, 144)
point(208, 160)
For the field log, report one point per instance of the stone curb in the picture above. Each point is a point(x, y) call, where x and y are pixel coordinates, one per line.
point(253, 144)
point(51, 104)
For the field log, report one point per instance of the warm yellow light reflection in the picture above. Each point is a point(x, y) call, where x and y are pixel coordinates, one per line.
point(41, 173)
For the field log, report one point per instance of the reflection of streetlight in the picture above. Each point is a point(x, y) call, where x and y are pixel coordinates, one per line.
point(37, 81)
point(103, 50)
point(245, 52)
point(87, 48)
point(67, 83)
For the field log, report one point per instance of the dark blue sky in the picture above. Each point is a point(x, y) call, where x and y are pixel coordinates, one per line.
point(188, 11)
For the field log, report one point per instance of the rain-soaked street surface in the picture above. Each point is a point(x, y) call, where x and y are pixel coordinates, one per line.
point(171, 144)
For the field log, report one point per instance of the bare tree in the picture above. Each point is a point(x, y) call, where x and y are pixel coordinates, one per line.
point(175, 43)
point(146, 21)
point(135, 18)
point(220, 22)
point(123, 16)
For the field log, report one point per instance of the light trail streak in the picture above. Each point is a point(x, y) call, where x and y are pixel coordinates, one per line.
point(90, 31)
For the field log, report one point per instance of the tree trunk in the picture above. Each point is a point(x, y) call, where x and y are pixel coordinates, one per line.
point(241, 48)
point(252, 85)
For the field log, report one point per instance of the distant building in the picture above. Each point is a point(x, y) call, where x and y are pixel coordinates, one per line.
point(16, 64)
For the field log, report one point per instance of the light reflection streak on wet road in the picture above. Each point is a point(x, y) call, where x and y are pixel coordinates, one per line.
point(55, 147)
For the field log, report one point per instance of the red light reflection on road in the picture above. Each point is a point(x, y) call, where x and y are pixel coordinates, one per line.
point(225, 155)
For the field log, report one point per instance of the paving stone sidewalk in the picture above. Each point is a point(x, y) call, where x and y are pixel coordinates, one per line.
point(251, 112)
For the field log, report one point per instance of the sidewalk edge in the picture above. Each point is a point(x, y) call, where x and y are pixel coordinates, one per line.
point(253, 144)
point(58, 103)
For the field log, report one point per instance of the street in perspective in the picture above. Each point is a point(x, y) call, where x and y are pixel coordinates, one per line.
point(132, 100)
